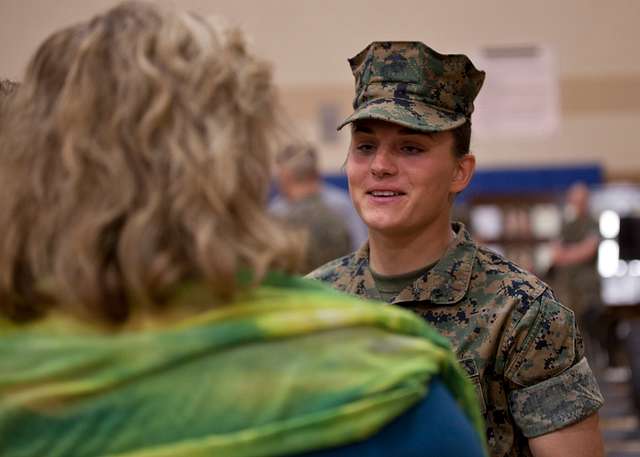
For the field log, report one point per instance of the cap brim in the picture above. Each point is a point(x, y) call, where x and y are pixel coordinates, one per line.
point(411, 114)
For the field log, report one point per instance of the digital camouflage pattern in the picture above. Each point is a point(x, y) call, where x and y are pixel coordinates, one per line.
point(410, 84)
point(518, 344)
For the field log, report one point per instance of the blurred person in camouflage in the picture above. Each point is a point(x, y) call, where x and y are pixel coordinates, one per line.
point(325, 230)
point(575, 255)
point(408, 159)
point(336, 199)
point(575, 274)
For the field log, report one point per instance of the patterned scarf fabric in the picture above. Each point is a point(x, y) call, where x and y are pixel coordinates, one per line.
point(289, 367)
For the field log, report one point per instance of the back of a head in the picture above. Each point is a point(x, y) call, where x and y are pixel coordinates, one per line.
point(300, 160)
point(138, 156)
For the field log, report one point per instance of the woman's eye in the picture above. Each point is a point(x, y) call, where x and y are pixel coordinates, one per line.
point(365, 148)
point(412, 149)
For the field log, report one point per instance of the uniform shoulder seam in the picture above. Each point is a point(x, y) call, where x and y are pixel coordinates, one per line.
point(510, 271)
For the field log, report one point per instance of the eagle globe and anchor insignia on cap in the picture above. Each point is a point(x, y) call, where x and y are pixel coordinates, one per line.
point(410, 84)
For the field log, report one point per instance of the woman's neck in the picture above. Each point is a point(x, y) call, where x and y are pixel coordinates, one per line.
point(398, 254)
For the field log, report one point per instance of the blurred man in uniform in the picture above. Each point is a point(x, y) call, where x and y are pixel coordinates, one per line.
point(575, 255)
point(408, 158)
point(336, 199)
point(575, 274)
point(326, 231)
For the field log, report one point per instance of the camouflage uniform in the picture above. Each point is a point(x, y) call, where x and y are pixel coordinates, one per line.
point(579, 284)
point(327, 233)
point(519, 345)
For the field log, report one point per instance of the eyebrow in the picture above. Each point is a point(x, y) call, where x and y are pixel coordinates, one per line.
point(403, 131)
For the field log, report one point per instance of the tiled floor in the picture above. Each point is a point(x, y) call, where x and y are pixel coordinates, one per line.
point(618, 419)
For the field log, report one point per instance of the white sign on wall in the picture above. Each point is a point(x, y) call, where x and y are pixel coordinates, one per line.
point(520, 96)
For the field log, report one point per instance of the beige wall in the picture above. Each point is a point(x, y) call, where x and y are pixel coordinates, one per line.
point(309, 41)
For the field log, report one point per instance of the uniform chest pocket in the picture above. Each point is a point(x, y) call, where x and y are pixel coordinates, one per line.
point(469, 365)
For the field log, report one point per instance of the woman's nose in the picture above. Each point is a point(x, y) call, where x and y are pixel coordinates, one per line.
point(383, 163)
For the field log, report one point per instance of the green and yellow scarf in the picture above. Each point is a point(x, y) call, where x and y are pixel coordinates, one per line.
point(289, 367)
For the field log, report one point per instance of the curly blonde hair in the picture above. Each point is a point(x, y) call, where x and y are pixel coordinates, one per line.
point(137, 157)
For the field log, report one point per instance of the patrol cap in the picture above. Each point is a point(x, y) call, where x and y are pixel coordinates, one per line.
point(410, 84)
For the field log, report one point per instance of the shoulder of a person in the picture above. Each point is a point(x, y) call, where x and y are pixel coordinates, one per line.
point(501, 277)
point(538, 326)
point(335, 195)
point(333, 270)
point(536, 315)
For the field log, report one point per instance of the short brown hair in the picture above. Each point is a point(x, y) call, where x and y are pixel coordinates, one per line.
point(462, 139)
point(301, 159)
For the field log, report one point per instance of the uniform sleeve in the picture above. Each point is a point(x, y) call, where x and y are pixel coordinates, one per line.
point(553, 384)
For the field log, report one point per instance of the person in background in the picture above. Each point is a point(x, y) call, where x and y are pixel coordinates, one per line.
point(576, 277)
point(145, 304)
point(324, 228)
point(408, 159)
point(333, 197)
point(575, 255)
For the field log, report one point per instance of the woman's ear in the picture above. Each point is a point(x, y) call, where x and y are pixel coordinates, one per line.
point(465, 166)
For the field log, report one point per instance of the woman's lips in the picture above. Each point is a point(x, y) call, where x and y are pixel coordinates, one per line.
point(384, 196)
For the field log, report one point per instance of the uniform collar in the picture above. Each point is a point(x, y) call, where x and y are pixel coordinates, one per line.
point(361, 281)
point(445, 284)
